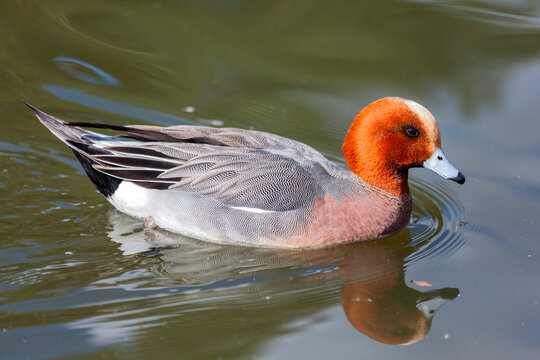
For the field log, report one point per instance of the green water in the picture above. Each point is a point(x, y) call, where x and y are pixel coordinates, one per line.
point(71, 282)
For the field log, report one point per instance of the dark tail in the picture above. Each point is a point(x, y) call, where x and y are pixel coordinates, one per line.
point(74, 137)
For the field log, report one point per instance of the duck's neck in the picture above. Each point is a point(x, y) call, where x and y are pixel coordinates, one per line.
point(391, 181)
point(367, 162)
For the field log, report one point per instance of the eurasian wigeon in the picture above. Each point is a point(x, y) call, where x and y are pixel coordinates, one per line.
point(236, 186)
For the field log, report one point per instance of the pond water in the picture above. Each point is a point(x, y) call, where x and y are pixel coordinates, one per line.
point(78, 279)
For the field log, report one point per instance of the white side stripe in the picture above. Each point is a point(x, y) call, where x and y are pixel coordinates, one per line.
point(254, 210)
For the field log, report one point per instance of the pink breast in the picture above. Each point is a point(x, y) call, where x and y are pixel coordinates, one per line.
point(354, 219)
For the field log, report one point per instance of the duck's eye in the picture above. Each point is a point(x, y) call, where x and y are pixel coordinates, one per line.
point(411, 132)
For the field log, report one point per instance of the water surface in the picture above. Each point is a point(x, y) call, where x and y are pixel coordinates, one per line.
point(78, 279)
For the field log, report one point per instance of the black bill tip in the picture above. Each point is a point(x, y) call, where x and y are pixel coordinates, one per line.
point(460, 179)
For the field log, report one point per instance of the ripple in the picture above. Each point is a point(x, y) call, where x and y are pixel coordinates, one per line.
point(85, 72)
point(489, 14)
point(94, 26)
point(114, 107)
point(437, 224)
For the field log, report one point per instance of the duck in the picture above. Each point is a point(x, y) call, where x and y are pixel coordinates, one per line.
point(247, 187)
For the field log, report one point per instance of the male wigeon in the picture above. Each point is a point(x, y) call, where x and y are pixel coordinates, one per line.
point(236, 186)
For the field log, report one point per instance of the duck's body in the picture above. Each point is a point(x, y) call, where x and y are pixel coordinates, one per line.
point(247, 187)
point(315, 222)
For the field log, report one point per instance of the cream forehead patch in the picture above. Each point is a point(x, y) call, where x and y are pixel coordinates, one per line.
point(425, 116)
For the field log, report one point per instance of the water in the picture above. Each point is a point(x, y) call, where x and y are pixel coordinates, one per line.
point(73, 281)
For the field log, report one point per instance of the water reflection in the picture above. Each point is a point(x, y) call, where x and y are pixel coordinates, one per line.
point(370, 276)
point(114, 107)
point(85, 72)
point(389, 311)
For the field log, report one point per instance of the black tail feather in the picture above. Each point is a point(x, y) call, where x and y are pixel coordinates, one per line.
point(105, 184)
point(107, 178)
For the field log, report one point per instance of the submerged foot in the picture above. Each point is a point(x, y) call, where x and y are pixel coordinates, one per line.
point(150, 223)
point(159, 240)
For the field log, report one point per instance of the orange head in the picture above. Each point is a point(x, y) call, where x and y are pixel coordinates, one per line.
point(388, 137)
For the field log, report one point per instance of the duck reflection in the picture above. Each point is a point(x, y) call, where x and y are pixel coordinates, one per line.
point(375, 296)
point(389, 311)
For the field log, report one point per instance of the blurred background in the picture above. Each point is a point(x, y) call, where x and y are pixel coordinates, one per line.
point(78, 279)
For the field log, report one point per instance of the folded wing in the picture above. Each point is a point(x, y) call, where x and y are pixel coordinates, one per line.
point(237, 177)
point(236, 167)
